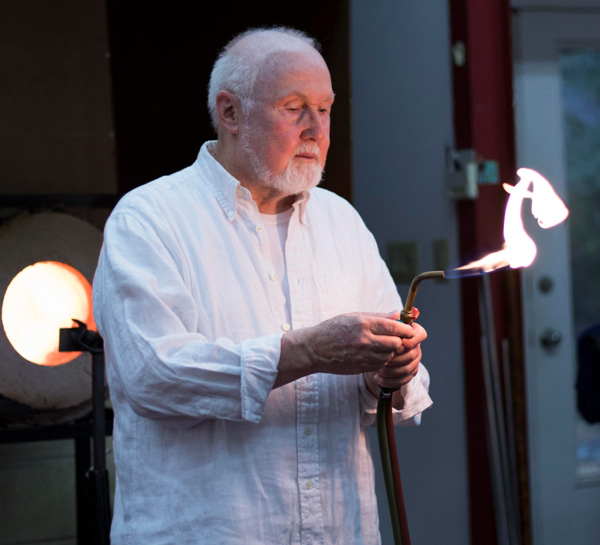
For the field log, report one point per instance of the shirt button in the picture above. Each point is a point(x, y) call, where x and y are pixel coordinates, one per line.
point(286, 327)
point(239, 192)
point(309, 485)
point(307, 430)
point(259, 228)
point(231, 214)
point(272, 276)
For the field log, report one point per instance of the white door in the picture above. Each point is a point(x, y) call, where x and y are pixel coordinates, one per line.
point(557, 102)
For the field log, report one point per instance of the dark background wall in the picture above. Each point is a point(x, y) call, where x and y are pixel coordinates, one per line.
point(162, 54)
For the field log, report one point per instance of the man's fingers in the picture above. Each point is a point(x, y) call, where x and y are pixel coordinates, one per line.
point(399, 366)
point(379, 325)
point(417, 336)
point(405, 359)
point(393, 377)
point(388, 344)
point(390, 336)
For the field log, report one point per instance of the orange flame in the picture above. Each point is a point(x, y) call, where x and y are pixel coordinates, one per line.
point(40, 300)
point(519, 249)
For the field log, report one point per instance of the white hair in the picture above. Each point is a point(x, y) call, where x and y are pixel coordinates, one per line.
point(236, 68)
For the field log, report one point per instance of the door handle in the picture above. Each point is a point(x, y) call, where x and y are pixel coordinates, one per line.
point(551, 338)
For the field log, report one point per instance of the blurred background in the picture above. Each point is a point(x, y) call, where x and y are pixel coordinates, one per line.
point(437, 104)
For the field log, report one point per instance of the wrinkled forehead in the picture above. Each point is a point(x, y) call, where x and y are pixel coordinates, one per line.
point(284, 72)
point(277, 62)
point(274, 55)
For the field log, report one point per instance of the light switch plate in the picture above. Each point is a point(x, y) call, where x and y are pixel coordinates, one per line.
point(403, 261)
point(441, 257)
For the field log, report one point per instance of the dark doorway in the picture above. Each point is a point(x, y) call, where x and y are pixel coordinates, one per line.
point(161, 56)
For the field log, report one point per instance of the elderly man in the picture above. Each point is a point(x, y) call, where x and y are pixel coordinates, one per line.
point(246, 325)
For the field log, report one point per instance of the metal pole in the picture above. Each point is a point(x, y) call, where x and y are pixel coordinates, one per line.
point(98, 470)
point(497, 440)
point(77, 339)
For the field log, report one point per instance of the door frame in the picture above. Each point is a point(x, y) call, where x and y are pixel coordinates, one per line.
point(484, 122)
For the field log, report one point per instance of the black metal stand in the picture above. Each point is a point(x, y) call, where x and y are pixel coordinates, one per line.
point(81, 432)
point(81, 339)
point(91, 476)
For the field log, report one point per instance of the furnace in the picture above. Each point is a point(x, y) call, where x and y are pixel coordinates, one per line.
point(48, 263)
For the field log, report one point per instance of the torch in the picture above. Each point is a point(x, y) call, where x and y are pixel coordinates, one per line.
point(519, 251)
point(386, 436)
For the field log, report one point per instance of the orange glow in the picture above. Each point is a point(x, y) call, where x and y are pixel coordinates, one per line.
point(40, 300)
point(519, 249)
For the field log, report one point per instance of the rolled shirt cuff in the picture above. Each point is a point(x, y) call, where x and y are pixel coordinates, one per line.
point(415, 397)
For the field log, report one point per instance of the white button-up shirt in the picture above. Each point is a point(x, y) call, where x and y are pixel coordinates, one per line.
point(205, 451)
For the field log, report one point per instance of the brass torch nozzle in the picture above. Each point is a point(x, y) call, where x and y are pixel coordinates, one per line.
point(407, 312)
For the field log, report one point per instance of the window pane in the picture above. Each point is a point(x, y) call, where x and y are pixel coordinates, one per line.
point(580, 71)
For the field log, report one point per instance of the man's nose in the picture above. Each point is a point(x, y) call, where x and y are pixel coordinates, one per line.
point(317, 125)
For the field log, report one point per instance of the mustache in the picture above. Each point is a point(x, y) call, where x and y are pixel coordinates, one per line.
point(308, 147)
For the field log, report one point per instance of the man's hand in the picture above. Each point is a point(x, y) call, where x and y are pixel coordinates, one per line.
point(387, 351)
point(403, 367)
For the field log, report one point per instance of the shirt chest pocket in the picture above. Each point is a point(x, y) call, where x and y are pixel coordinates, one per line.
point(336, 293)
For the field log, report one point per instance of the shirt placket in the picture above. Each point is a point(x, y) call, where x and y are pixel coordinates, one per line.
point(307, 391)
point(250, 215)
point(307, 440)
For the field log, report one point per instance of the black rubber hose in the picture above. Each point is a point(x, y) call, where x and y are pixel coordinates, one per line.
point(386, 436)
point(385, 403)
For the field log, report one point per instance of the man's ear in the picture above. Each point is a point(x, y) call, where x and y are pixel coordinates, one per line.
point(229, 111)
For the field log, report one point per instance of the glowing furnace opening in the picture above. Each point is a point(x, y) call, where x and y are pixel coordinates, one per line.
point(40, 300)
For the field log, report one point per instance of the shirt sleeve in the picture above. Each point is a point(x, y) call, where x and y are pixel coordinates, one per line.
point(156, 359)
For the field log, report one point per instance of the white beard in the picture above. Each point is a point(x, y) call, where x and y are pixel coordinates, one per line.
point(295, 178)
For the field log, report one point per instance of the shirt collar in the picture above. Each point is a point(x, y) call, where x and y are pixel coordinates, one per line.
point(227, 189)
